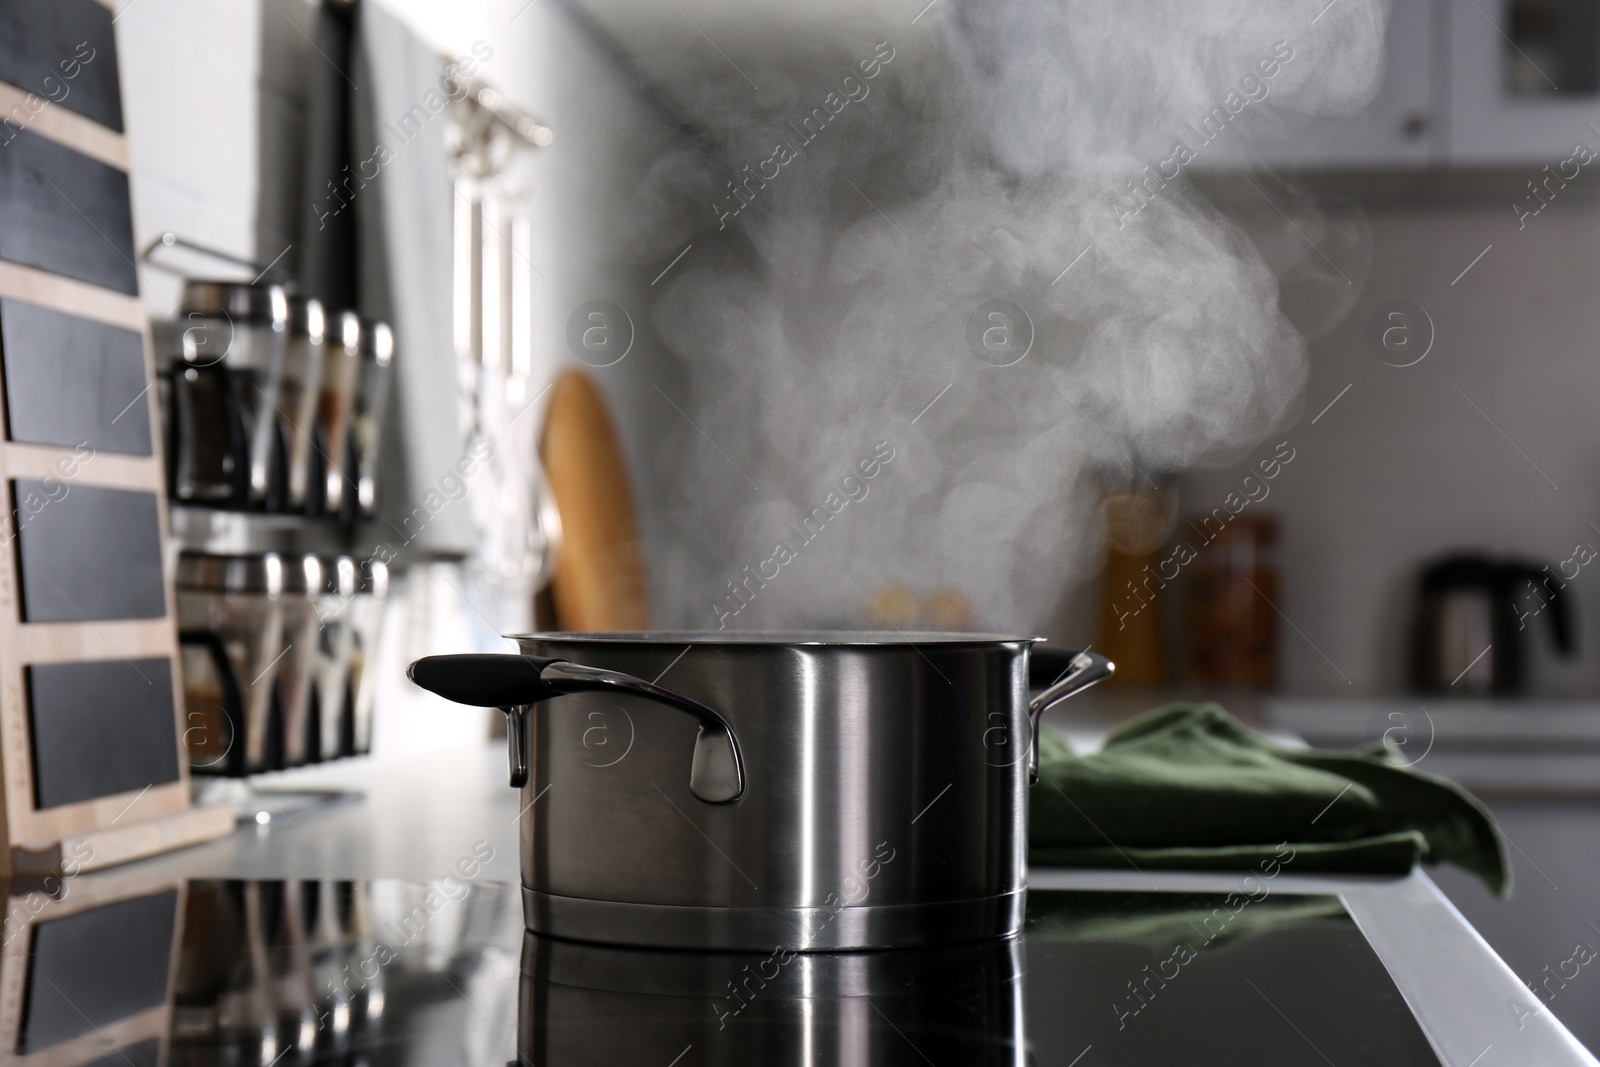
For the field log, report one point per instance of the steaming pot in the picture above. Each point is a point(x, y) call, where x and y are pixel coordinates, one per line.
point(814, 791)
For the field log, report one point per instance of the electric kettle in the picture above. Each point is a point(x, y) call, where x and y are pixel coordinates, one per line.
point(1473, 618)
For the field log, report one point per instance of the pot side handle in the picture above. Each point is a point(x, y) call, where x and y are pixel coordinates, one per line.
point(514, 683)
point(1082, 669)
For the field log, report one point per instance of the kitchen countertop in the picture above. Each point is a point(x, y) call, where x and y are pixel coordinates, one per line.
point(1504, 749)
point(422, 813)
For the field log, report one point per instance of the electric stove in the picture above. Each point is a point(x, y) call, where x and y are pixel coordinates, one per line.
point(386, 972)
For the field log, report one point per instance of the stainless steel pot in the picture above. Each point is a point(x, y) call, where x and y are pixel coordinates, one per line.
point(815, 791)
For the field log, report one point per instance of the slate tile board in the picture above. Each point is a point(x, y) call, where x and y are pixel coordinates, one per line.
point(89, 970)
point(42, 43)
point(72, 381)
point(64, 212)
point(100, 727)
point(86, 553)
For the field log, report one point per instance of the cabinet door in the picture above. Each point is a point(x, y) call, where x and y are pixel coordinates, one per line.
point(1399, 128)
point(1524, 80)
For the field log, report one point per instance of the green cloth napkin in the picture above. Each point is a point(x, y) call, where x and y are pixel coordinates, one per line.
point(1187, 786)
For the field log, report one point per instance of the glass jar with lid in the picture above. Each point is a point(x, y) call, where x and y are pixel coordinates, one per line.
point(302, 588)
point(302, 378)
point(331, 695)
point(366, 626)
point(340, 376)
point(227, 443)
point(1231, 617)
point(230, 632)
point(372, 399)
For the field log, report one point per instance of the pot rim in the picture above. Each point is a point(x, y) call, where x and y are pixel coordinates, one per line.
point(809, 638)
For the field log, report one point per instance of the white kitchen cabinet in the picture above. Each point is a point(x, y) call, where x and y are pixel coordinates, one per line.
point(1523, 80)
point(1467, 83)
point(1401, 127)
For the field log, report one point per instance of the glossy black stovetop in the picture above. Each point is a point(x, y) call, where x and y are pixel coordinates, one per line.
point(301, 972)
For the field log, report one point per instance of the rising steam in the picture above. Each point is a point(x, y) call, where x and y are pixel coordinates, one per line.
point(1022, 151)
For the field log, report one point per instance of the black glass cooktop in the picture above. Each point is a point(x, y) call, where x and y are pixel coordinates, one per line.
point(368, 973)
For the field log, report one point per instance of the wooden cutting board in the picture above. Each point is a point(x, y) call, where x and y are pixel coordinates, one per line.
point(599, 582)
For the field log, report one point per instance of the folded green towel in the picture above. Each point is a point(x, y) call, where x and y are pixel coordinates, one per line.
point(1187, 786)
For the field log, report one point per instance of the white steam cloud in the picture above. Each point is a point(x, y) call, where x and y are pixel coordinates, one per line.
point(1019, 151)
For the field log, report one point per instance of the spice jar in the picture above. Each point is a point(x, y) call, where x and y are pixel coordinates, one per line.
point(302, 382)
point(331, 696)
point(230, 632)
point(1138, 522)
point(341, 369)
point(366, 624)
point(372, 398)
point(1231, 594)
point(225, 385)
point(302, 587)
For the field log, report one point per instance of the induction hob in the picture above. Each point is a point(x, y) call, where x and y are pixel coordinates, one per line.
point(384, 972)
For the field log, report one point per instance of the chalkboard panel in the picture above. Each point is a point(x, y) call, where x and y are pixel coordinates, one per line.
point(89, 970)
point(63, 212)
point(63, 51)
point(86, 553)
point(72, 381)
point(100, 728)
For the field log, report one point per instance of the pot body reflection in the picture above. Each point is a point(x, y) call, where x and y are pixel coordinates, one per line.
point(594, 1004)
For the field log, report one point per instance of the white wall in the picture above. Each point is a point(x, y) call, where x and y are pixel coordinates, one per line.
point(215, 101)
point(1403, 467)
point(200, 82)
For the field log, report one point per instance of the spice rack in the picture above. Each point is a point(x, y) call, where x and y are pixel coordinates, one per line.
point(272, 409)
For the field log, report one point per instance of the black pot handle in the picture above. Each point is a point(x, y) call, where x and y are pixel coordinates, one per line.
point(517, 742)
point(1073, 673)
point(515, 683)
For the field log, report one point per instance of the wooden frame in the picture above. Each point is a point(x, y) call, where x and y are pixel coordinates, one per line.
point(74, 898)
point(126, 825)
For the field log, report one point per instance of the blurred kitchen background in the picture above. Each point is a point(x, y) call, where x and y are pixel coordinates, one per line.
point(1389, 530)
